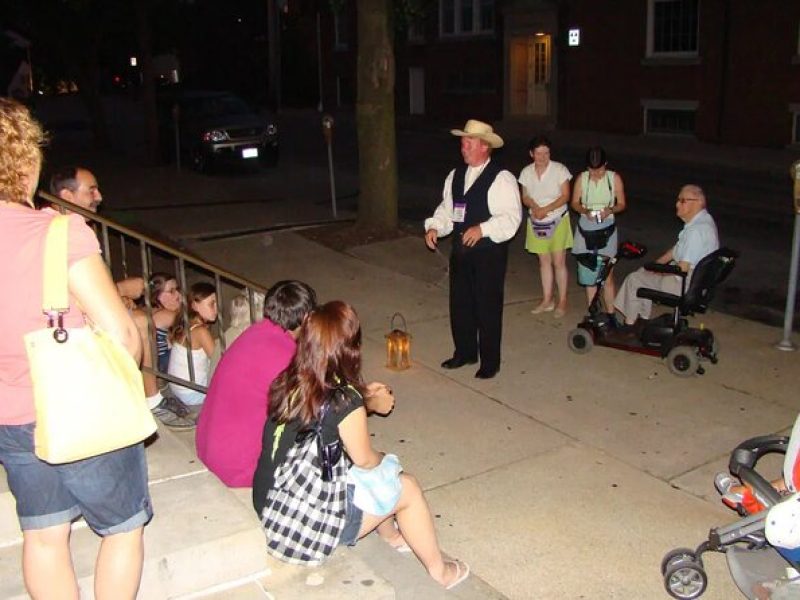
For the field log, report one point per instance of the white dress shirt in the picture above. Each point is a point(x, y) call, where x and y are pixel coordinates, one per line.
point(504, 206)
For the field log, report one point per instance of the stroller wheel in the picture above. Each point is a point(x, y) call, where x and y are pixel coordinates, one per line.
point(683, 361)
point(673, 557)
point(580, 341)
point(685, 580)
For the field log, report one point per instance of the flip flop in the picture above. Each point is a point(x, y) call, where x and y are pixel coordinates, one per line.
point(461, 575)
point(403, 548)
point(544, 308)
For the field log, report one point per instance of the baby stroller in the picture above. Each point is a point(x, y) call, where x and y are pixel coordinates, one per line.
point(753, 562)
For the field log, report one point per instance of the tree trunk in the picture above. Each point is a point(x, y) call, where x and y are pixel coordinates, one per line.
point(377, 203)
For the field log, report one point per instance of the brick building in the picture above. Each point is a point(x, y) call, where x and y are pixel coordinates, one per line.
point(725, 71)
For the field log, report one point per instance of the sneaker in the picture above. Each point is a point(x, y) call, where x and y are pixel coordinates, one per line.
point(173, 404)
point(165, 413)
point(724, 482)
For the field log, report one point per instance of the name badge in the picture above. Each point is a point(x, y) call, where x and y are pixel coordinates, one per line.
point(459, 211)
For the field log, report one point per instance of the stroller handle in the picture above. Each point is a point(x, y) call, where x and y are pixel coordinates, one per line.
point(749, 452)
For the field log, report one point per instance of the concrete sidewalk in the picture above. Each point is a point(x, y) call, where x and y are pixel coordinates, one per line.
point(566, 476)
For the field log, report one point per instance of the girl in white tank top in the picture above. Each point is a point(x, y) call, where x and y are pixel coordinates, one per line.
point(201, 303)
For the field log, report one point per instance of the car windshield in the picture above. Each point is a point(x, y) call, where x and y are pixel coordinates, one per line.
point(214, 106)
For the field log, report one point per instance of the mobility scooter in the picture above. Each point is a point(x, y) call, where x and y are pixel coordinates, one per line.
point(755, 565)
point(668, 335)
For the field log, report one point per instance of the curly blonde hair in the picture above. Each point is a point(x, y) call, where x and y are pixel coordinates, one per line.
point(21, 139)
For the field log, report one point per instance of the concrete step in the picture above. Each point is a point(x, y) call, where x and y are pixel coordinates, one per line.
point(202, 537)
point(342, 576)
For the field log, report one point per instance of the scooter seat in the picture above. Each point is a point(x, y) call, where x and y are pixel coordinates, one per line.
point(659, 297)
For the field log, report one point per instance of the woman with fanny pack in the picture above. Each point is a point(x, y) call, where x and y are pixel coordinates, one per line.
point(597, 196)
point(545, 193)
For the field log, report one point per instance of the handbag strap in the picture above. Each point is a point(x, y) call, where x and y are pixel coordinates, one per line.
point(55, 294)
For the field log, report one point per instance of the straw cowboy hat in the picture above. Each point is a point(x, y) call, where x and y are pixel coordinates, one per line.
point(480, 130)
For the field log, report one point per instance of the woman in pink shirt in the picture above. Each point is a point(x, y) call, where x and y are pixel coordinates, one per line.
point(110, 490)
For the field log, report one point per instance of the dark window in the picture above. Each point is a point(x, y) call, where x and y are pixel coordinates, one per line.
point(448, 17)
point(340, 29)
point(674, 26)
point(661, 120)
point(487, 15)
point(466, 17)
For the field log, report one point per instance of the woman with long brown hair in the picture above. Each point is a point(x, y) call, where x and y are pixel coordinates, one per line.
point(328, 358)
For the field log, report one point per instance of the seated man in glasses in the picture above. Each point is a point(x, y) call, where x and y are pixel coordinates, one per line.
point(697, 239)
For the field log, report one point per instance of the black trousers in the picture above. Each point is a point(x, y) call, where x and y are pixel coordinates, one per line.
point(477, 279)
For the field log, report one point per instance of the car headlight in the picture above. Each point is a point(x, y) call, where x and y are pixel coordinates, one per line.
point(272, 129)
point(215, 135)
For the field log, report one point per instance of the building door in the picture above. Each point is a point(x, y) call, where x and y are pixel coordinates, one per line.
point(530, 66)
point(416, 91)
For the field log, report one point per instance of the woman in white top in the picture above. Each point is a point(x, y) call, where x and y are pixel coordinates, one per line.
point(201, 303)
point(545, 193)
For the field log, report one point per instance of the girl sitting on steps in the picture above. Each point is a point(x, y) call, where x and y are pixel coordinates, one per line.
point(201, 303)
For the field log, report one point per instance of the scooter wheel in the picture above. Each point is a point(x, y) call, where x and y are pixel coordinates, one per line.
point(683, 361)
point(685, 580)
point(580, 341)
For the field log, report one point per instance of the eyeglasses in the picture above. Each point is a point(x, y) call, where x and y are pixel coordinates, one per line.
point(685, 200)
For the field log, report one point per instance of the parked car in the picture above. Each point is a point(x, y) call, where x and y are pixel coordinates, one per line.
point(215, 128)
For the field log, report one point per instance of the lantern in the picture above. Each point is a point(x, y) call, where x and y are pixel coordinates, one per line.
point(398, 346)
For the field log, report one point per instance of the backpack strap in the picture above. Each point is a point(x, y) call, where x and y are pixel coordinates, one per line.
point(612, 193)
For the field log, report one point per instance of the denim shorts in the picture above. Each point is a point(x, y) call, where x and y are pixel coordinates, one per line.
point(109, 491)
point(353, 520)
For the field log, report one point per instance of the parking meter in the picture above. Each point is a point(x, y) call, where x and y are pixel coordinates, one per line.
point(327, 128)
point(794, 172)
point(327, 132)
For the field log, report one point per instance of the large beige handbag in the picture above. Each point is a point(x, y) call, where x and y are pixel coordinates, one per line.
point(87, 388)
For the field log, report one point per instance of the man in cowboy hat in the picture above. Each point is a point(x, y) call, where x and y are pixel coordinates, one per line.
point(481, 206)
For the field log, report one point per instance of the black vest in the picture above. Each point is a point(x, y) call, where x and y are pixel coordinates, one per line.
point(476, 199)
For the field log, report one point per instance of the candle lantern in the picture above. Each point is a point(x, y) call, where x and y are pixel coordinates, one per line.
point(398, 346)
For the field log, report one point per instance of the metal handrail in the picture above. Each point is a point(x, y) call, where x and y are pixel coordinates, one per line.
point(150, 241)
point(181, 258)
